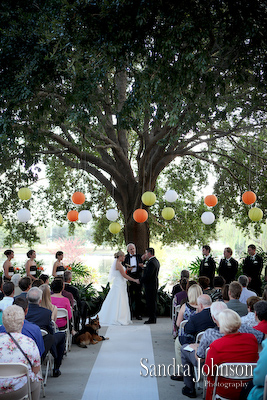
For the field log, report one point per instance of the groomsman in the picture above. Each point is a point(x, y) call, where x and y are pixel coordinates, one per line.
point(252, 267)
point(228, 266)
point(208, 265)
point(150, 281)
point(132, 263)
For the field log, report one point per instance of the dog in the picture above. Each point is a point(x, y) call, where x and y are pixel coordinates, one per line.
point(89, 334)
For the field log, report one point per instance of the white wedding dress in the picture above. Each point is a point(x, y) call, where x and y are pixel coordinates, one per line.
point(115, 310)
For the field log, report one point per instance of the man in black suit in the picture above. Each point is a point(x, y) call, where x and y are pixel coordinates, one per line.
point(132, 263)
point(252, 267)
point(151, 284)
point(208, 265)
point(228, 266)
point(42, 317)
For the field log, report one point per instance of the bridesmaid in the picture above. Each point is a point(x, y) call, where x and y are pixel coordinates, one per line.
point(8, 267)
point(58, 267)
point(30, 266)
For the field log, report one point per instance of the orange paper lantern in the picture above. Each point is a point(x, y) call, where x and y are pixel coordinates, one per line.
point(140, 215)
point(211, 200)
point(249, 197)
point(78, 198)
point(73, 215)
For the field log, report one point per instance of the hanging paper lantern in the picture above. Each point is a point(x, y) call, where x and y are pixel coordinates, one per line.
point(149, 198)
point(140, 215)
point(168, 213)
point(72, 215)
point(114, 227)
point(255, 214)
point(24, 215)
point(171, 196)
point(78, 198)
point(1, 219)
point(211, 200)
point(249, 197)
point(112, 214)
point(85, 216)
point(207, 218)
point(24, 193)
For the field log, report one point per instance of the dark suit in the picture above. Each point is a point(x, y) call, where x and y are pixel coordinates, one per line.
point(134, 290)
point(252, 267)
point(42, 317)
point(207, 268)
point(151, 284)
point(79, 312)
point(197, 323)
point(228, 269)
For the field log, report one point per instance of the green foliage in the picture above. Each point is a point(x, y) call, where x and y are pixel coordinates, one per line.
point(194, 267)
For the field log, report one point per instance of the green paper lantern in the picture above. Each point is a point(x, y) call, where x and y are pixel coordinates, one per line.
point(114, 228)
point(1, 219)
point(255, 214)
point(149, 198)
point(24, 193)
point(168, 213)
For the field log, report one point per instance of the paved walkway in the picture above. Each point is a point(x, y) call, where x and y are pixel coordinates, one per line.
point(78, 364)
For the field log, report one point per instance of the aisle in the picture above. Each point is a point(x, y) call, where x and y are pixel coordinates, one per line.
point(116, 371)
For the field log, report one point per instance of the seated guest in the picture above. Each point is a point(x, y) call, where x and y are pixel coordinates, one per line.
point(177, 300)
point(235, 290)
point(60, 301)
point(15, 279)
point(8, 299)
point(190, 358)
point(81, 311)
point(204, 283)
point(260, 309)
point(25, 284)
point(44, 278)
point(186, 311)
point(243, 280)
point(177, 288)
point(232, 347)
point(42, 317)
point(37, 283)
point(28, 329)
point(13, 318)
point(218, 284)
point(46, 301)
point(259, 374)
point(225, 293)
point(250, 318)
point(65, 293)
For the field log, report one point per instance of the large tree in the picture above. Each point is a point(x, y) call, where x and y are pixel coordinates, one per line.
point(120, 89)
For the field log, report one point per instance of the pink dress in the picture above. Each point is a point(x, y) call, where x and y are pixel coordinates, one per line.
point(62, 302)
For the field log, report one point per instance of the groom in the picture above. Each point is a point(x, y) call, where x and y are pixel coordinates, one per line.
point(151, 284)
point(132, 262)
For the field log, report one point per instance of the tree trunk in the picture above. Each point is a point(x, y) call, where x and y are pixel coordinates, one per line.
point(138, 234)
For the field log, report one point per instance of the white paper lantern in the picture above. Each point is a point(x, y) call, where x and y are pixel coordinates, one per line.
point(23, 215)
point(207, 218)
point(171, 196)
point(112, 214)
point(85, 216)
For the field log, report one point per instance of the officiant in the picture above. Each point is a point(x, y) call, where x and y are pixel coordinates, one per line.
point(132, 263)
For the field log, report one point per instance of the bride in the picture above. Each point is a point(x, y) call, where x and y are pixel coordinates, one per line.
point(115, 310)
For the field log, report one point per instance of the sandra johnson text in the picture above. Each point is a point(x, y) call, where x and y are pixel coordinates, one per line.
point(173, 369)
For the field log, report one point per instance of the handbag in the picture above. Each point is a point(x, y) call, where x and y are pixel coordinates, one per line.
point(18, 346)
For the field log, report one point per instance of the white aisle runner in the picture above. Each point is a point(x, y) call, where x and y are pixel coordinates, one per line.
point(116, 372)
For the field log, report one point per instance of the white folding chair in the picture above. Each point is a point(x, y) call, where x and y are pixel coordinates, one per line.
point(237, 371)
point(63, 313)
point(265, 389)
point(48, 362)
point(181, 327)
point(16, 370)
